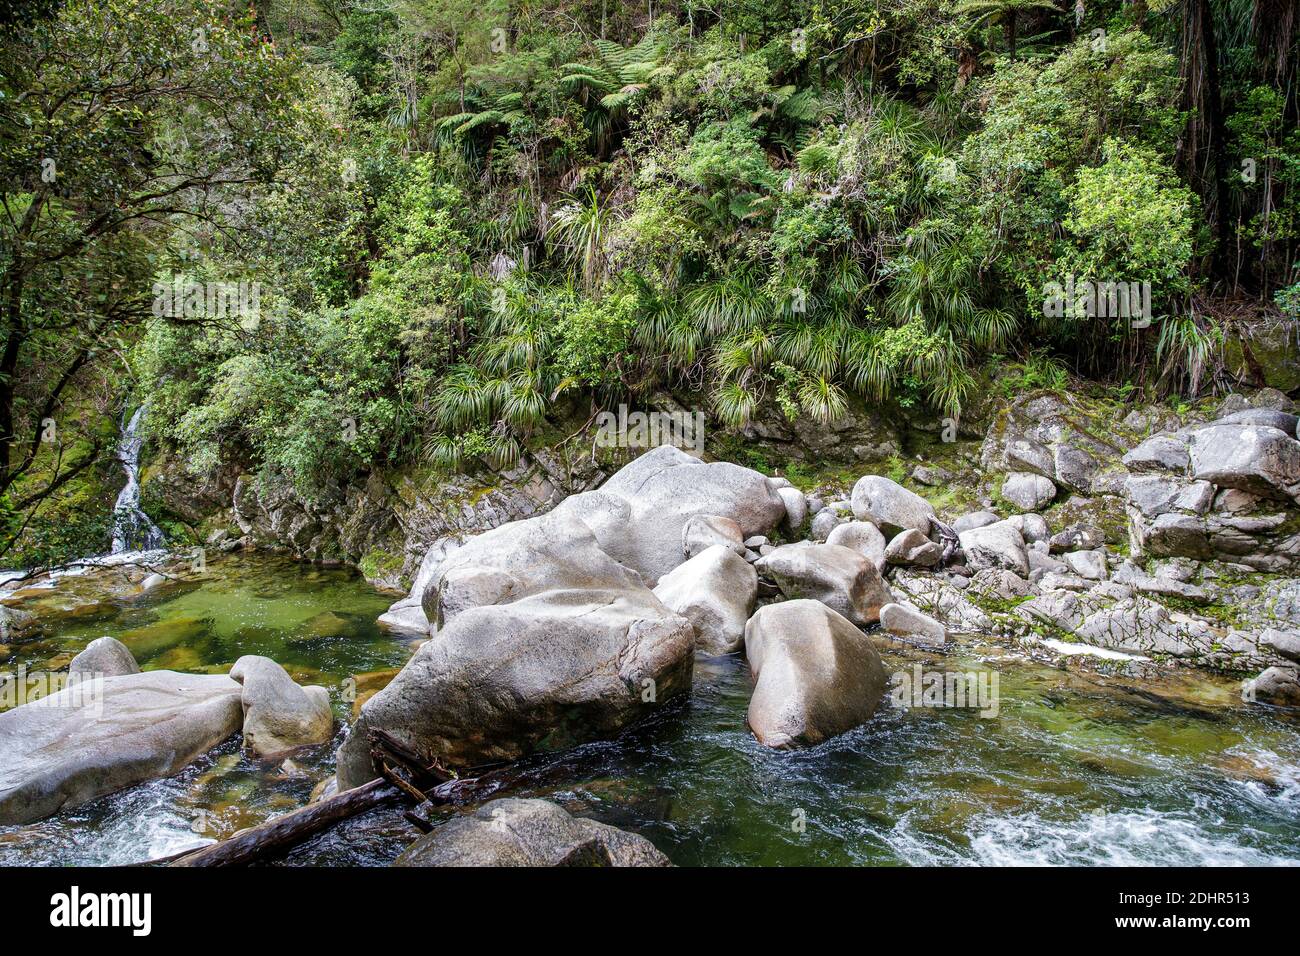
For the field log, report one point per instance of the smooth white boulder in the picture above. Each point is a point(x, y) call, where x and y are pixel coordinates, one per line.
point(102, 735)
point(890, 506)
point(839, 577)
point(816, 675)
point(279, 715)
point(715, 591)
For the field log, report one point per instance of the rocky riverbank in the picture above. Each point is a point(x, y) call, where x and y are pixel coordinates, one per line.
point(557, 606)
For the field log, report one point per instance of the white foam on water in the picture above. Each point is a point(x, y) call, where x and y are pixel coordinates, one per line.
point(1121, 838)
point(1074, 650)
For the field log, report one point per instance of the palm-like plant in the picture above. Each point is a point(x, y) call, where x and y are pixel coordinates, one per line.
point(490, 109)
point(617, 77)
point(1005, 12)
point(581, 227)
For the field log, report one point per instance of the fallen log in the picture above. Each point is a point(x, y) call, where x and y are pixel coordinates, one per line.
point(284, 832)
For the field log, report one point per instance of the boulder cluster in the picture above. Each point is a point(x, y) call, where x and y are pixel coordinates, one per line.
point(113, 727)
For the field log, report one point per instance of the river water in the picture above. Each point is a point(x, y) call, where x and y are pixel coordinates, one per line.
point(1073, 769)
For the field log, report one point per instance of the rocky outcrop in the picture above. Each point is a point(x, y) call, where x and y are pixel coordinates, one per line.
point(1225, 491)
point(544, 641)
point(816, 675)
point(279, 715)
point(513, 832)
point(838, 577)
point(715, 591)
point(1060, 437)
point(102, 735)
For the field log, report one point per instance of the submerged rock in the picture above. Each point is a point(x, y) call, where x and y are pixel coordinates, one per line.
point(514, 832)
point(102, 735)
point(816, 675)
point(280, 716)
point(1279, 686)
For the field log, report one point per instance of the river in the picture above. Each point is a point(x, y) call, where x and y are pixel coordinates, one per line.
point(1073, 769)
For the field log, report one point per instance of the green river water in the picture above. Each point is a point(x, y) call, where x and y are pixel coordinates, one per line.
point(1073, 769)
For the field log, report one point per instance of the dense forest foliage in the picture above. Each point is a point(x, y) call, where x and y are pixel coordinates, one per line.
point(443, 217)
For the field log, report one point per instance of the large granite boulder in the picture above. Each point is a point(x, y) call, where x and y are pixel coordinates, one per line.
point(101, 735)
point(279, 715)
point(702, 532)
point(544, 641)
point(816, 675)
point(715, 591)
point(890, 506)
point(839, 577)
point(514, 832)
point(106, 657)
point(639, 514)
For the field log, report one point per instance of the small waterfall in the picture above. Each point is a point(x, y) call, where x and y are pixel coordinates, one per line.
point(132, 528)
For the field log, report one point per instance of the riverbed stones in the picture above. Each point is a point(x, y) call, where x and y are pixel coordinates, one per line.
point(796, 507)
point(906, 621)
point(864, 538)
point(839, 577)
point(545, 641)
point(279, 715)
point(535, 833)
point(1027, 491)
point(911, 548)
point(998, 545)
point(890, 506)
point(715, 591)
point(105, 656)
point(816, 675)
point(102, 735)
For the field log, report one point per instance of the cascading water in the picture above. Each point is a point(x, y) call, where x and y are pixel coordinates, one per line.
point(132, 528)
